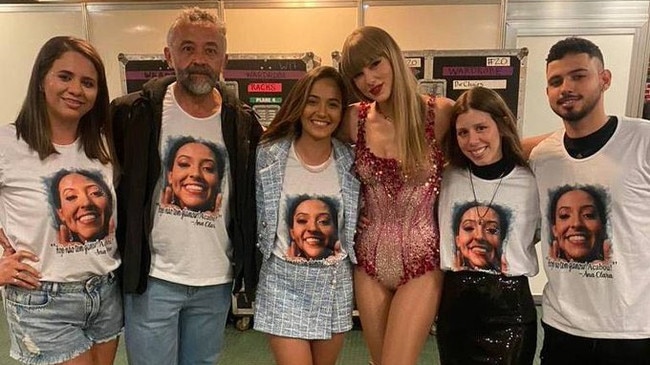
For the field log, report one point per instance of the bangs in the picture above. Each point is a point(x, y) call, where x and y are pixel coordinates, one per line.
point(358, 53)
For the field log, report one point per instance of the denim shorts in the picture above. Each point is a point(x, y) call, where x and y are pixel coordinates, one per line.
point(60, 321)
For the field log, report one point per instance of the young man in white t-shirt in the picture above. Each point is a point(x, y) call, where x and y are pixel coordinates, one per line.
point(186, 200)
point(594, 187)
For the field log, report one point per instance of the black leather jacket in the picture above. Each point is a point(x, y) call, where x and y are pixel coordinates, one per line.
point(136, 126)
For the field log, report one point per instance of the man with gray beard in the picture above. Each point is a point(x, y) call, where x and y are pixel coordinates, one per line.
point(186, 200)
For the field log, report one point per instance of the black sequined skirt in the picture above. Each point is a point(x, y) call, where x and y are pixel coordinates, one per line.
point(486, 319)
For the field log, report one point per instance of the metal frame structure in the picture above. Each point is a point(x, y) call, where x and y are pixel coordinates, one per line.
point(517, 17)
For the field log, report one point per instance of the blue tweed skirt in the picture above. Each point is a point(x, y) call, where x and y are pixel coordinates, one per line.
point(310, 301)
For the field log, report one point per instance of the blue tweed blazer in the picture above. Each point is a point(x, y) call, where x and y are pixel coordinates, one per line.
point(269, 178)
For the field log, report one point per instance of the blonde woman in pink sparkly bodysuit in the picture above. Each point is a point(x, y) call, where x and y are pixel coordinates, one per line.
point(399, 163)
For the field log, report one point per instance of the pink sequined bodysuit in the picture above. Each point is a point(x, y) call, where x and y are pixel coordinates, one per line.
point(401, 241)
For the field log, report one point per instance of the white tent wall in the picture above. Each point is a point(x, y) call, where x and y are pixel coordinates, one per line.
point(415, 27)
point(23, 30)
point(136, 27)
point(289, 30)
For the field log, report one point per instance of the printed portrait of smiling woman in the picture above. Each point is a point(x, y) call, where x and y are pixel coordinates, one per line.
point(480, 230)
point(82, 205)
point(313, 228)
point(578, 217)
point(194, 171)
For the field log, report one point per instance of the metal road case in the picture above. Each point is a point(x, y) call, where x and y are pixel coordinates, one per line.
point(264, 80)
point(242, 310)
point(451, 72)
point(137, 69)
point(502, 70)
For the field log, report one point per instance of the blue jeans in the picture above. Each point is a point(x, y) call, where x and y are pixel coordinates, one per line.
point(172, 324)
point(60, 321)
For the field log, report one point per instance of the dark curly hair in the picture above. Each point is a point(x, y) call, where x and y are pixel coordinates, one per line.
point(332, 208)
point(504, 221)
point(55, 198)
point(600, 198)
point(574, 45)
point(175, 143)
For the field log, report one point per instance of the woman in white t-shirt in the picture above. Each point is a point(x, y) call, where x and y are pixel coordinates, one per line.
point(307, 199)
point(488, 215)
point(62, 299)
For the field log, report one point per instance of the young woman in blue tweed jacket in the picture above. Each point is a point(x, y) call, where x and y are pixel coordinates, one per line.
point(307, 201)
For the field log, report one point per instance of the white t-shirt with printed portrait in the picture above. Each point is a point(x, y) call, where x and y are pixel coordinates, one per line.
point(62, 208)
point(601, 203)
point(509, 211)
point(189, 240)
point(310, 217)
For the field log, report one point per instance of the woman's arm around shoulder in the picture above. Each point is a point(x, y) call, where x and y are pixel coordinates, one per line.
point(442, 108)
point(529, 143)
point(347, 133)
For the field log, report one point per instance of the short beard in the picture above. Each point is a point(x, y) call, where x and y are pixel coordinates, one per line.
point(197, 88)
point(575, 116)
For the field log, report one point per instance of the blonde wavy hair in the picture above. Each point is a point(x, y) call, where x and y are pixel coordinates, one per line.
point(361, 48)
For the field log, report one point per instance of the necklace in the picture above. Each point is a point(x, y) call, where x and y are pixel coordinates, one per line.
point(386, 116)
point(481, 221)
point(312, 168)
